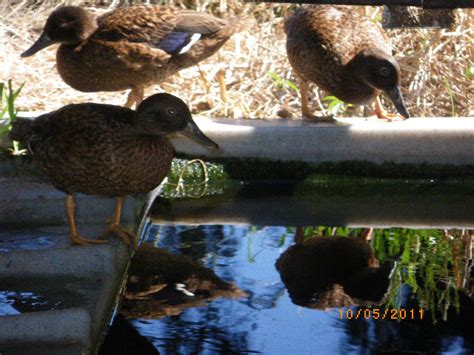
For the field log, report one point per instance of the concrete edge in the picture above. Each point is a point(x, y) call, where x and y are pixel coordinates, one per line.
point(67, 262)
point(52, 327)
point(447, 140)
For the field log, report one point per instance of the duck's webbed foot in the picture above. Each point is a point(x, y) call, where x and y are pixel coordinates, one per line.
point(118, 230)
point(317, 119)
point(381, 114)
point(115, 228)
point(76, 239)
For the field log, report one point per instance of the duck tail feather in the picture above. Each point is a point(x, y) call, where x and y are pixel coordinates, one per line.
point(22, 130)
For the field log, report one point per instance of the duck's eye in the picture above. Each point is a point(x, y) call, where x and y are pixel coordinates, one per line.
point(171, 111)
point(385, 71)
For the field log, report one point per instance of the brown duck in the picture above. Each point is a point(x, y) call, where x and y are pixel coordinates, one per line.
point(311, 268)
point(344, 54)
point(131, 47)
point(107, 150)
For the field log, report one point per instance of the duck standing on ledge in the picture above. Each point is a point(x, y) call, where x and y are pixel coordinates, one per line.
point(131, 47)
point(344, 54)
point(107, 150)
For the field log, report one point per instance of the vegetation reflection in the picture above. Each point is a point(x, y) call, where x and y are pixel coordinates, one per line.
point(433, 265)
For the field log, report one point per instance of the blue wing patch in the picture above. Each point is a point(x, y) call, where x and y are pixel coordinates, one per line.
point(178, 42)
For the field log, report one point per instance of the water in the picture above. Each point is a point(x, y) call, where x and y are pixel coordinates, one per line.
point(415, 269)
point(12, 303)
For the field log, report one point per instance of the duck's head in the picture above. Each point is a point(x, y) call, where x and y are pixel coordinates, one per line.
point(67, 25)
point(165, 114)
point(381, 71)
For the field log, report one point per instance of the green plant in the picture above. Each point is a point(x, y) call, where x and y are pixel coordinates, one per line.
point(429, 261)
point(9, 107)
point(189, 180)
point(451, 97)
point(377, 19)
point(426, 262)
point(336, 105)
point(279, 82)
point(469, 72)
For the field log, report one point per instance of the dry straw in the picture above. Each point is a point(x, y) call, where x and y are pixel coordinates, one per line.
point(257, 73)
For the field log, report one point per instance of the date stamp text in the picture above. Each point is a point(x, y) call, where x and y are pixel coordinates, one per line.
point(380, 313)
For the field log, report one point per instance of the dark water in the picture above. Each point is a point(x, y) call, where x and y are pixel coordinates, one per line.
point(13, 302)
point(408, 270)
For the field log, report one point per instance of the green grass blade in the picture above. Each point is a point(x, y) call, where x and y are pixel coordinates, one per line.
point(2, 85)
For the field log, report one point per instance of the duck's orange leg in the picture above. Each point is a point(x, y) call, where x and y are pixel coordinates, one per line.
point(76, 239)
point(304, 90)
point(220, 76)
point(366, 234)
point(115, 227)
point(130, 99)
point(304, 100)
point(380, 112)
point(135, 96)
point(204, 81)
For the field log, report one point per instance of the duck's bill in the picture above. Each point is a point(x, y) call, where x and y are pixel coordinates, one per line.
point(192, 131)
point(42, 42)
point(396, 96)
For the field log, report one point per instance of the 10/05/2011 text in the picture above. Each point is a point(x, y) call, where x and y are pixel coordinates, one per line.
point(379, 313)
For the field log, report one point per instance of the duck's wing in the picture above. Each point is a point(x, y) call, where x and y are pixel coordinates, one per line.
point(136, 24)
point(206, 34)
point(357, 33)
point(83, 119)
point(156, 27)
point(197, 22)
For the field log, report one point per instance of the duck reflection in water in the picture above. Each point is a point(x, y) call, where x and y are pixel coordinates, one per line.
point(326, 272)
point(161, 284)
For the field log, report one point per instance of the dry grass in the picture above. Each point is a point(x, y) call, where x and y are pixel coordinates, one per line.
point(433, 62)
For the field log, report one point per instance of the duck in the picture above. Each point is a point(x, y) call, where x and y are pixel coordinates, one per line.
point(346, 55)
point(130, 47)
point(107, 150)
point(161, 283)
point(313, 266)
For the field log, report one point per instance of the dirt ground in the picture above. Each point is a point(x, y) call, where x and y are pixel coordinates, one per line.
point(434, 64)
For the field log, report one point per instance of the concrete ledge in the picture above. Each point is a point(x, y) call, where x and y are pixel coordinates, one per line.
point(67, 262)
point(37, 258)
point(435, 140)
point(64, 326)
point(86, 279)
point(416, 140)
point(28, 200)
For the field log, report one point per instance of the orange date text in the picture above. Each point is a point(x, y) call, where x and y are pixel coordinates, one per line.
point(380, 313)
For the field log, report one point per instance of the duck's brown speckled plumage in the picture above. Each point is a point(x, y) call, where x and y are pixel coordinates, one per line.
point(123, 49)
point(331, 45)
point(107, 150)
point(88, 148)
point(323, 39)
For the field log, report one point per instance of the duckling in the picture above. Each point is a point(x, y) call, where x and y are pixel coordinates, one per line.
point(344, 54)
point(107, 150)
point(130, 47)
